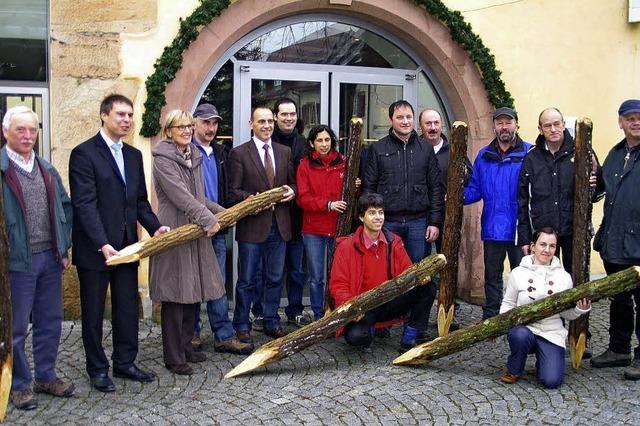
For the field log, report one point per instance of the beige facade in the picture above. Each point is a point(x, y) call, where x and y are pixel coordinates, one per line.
point(584, 61)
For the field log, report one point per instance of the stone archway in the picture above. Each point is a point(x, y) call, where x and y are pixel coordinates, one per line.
point(458, 76)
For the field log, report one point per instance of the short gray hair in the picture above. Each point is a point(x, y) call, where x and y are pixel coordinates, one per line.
point(17, 110)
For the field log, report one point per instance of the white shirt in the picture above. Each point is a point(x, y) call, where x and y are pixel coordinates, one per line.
point(436, 148)
point(26, 165)
point(110, 142)
point(260, 146)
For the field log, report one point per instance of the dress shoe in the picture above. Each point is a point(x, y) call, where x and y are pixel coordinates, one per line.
point(276, 333)
point(196, 342)
point(57, 387)
point(233, 346)
point(509, 378)
point(244, 336)
point(611, 359)
point(632, 372)
point(102, 382)
point(195, 357)
point(181, 369)
point(23, 400)
point(134, 373)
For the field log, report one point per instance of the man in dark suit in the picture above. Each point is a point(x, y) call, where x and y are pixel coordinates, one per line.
point(257, 166)
point(109, 196)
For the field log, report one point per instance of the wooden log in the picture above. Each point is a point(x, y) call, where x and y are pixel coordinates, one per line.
point(462, 339)
point(352, 310)
point(186, 233)
point(452, 230)
point(582, 232)
point(6, 352)
point(349, 195)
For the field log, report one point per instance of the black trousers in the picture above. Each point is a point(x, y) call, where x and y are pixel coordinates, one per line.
point(621, 316)
point(177, 321)
point(494, 254)
point(123, 281)
point(416, 302)
point(565, 244)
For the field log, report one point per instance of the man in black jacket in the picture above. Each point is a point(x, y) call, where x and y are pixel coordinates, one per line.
point(618, 239)
point(546, 186)
point(404, 170)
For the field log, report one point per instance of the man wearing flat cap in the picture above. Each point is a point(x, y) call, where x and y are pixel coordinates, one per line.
point(214, 157)
point(618, 239)
point(495, 181)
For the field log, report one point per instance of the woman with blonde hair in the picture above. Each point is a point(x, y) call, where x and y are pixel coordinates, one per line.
point(184, 276)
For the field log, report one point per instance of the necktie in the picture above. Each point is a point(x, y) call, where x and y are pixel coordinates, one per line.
point(117, 154)
point(268, 167)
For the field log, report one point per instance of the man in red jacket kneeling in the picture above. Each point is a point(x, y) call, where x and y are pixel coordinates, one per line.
point(366, 259)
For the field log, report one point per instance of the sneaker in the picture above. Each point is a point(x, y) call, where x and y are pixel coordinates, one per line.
point(611, 359)
point(233, 346)
point(300, 320)
point(258, 323)
point(409, 335)
point(632, 372)
point(23, 400)
point(58, 387)
point(195, 357)
point(509, 378)
point(196, 342)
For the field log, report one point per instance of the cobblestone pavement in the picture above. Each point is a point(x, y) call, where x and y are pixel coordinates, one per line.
point(331, 383)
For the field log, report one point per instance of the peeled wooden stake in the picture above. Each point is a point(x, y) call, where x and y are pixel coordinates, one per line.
point(459, 340)
point(186, 233)
point(418, 274)
point(452, 231)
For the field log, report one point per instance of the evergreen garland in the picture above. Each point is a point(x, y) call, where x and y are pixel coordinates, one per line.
point(170, 61)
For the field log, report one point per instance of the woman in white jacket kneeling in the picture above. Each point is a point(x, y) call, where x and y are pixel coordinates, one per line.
point(539, 275)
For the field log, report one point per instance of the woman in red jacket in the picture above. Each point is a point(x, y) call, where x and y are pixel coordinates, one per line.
point(319, 180)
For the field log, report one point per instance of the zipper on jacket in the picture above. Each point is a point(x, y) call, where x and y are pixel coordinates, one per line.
point(406, 178)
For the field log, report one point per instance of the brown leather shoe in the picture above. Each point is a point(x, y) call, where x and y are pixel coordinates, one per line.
point(233, 346)
point(181, 369)
point(196, 342)
point(58, 387)
point(23, 400)
point(195, 357)
point(244, 336)
point(509, 378)
point(276, 333)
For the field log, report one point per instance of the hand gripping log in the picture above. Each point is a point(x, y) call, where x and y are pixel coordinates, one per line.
point(579, 328)
point(452, 231)
point(186, 233)
point(352, 310)
point(461, 339)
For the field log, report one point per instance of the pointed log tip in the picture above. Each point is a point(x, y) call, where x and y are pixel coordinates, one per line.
point(459, 124)
point(412, 356)
point(257, 359)
point(578, 350)
point(5, 385)
point(128, 254)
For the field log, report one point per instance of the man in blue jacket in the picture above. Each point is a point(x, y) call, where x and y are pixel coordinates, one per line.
point(37, 212)
point(495, 181)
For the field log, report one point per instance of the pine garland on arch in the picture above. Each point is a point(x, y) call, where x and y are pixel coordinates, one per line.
point(170, 61)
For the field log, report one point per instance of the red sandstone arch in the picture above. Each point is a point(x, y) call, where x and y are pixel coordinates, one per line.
point(458, 76)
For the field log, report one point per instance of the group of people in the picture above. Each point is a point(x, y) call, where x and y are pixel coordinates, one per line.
point(527, 214)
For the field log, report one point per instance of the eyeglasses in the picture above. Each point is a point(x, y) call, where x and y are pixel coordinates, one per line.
point(183, 127)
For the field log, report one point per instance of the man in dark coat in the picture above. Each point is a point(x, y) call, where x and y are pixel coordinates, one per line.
point(109, 197)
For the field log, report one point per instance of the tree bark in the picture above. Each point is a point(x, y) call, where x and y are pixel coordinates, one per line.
point(352, 310)
point(6, 352)
point(582, 233)
point(452, 230)
point(349, 195)
point(461, 339)
point(186, 233)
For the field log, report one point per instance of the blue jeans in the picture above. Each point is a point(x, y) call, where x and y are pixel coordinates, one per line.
point(295, 278)
point(494, 254)
point(251, 258)
point(37, 293)
point(214, 307)
point(413, 234)
point(549, 357)
point(317, 249)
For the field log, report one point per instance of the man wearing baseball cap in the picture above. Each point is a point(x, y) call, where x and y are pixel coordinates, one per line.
point(495, 181)
point(618, 239)
point(214, 174)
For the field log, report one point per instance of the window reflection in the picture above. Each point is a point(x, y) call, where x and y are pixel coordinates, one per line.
point(329, 43)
